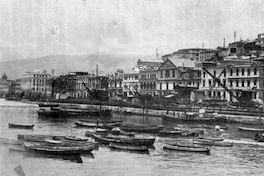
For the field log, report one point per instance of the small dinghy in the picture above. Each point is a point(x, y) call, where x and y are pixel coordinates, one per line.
point(187, 148)
point(212, 143)
point(20, 126)
point(128, 147)
point(251, 129)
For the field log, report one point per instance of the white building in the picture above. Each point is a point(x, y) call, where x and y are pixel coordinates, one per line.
point(131, 84)
point(36, 81)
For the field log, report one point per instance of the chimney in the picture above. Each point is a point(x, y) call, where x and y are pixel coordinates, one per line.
point(234, 36)
point(96, 69)
point(224, 43)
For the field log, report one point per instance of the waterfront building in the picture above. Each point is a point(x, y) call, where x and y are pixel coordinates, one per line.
point(4, 85)
point(15, 87)
point(84, 80)
point(131, 84)
point(36, 81)
point(176, 74)
point(193, 54)
point(115, 83)
point(243, 74)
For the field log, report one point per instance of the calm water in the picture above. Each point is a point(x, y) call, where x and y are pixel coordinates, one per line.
point(241, 159)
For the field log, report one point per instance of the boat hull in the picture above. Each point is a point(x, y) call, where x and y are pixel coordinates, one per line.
point(12, 125)
point(187, 149)
point(128, 147)
point(250, 129)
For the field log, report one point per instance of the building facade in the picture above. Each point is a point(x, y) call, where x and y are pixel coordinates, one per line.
point(131, 84)
point(171, 76)
point(194, 54)
point(148, 81)
point(115, 83)
point(36, 82)
point(237, 75)
point(4, 85)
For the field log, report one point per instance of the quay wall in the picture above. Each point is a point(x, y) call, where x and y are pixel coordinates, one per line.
point(231, 118)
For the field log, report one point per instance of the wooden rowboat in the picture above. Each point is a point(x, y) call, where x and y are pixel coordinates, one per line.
point(251, 129)
point(170, 133)
point(187, 148)
point(58, 149)
point(211, 138)
point(128, 147)
point(120, 139)
point(20, 126)
point(212, 143)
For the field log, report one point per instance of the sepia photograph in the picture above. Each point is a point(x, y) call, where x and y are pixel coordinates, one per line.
point(131, 87)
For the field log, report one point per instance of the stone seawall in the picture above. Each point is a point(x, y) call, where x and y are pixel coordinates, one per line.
point(159, 113)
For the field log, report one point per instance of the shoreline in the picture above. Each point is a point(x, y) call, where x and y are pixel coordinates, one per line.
point(230, 118)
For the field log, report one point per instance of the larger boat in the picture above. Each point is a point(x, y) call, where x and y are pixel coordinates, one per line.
point(20, 126)
point(251, 129)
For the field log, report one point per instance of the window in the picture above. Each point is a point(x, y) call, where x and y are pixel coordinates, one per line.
point(224, 94)
point(203, 83)
point(255, 82)
point(173, 73)
point(242, 83)
point(209, 82)
point(237, 71)
point(231, 72)
point(219, 94)
point(160, 86)
point(248, 71)
point(237, 83)
point(161, 74)
point(167, 86)
point(224, 72)
point(136, 77)
point(231, 83)
point(167, 74)
point(204, 74)
point(248, 83)
point(255, 71)
point(242, 71)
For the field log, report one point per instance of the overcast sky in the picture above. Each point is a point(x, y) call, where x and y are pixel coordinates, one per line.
point(34, 28)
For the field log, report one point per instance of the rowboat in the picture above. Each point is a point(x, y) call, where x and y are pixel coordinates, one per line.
point(251, 129)
point(187, 148)
point(48, 105)
point(96, 124)
point(121, 139)
point(212, 138)
point(142, 128)
point(170, 133)
point(49, 113)
point(58, 149)
point(128, 147)
point(212, 143)
point(20, 126)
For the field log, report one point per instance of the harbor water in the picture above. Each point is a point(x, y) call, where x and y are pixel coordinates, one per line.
point(244, 158)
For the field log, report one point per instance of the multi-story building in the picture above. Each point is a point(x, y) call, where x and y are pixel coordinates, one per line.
point(4, 85)
point(15, 86)
point(240, 76)
point(175, 74)
point(148, 81)
point(131, 84)
point(84, 80)
point(36, 81)
point(194, 54)
point(115, 83)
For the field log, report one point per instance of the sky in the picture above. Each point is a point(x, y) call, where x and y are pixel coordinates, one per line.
point(35, 28)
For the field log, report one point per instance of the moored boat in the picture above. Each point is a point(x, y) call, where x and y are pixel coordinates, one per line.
point(187, 148)
point(58, 149)
point(132, 140)
point(170, 133)
point(211, 138)
point(21, 126)
point(142, 128)
point(128, 147)
point(251, 129)
point(48, 105)
point(49, 113)
point(212, 143)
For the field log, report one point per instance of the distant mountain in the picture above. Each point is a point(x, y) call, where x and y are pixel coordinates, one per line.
point(63, 64)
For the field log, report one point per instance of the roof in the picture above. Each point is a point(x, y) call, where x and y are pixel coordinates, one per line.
point(183, 62)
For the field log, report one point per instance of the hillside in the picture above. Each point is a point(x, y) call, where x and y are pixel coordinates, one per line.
point(63, 64)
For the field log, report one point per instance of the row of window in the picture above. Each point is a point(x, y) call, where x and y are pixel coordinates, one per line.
point(235, 72)
point(131, 77)
point(223, 94)
point(244, 83)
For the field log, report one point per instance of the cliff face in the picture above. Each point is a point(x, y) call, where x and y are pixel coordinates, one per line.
point(63, 64)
